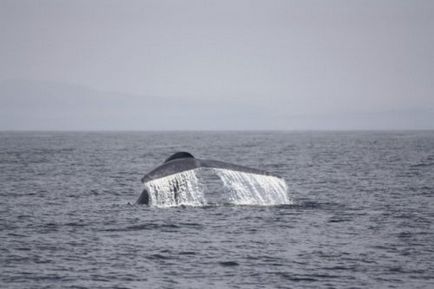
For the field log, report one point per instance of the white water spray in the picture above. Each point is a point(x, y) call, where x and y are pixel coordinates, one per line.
point(254, 189)
point(174, 190)
point(240, 188)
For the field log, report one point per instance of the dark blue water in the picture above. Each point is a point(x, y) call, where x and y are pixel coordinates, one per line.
point(362, 216)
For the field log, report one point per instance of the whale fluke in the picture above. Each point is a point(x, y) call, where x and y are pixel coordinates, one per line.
point(182, 162)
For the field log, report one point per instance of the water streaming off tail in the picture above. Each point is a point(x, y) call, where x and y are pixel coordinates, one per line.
point(189, 188)
point(179, 189)
point(254, 189)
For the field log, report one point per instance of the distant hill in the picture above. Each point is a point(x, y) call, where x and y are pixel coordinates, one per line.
point(38, 105)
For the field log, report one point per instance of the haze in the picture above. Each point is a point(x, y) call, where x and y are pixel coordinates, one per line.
point(216, 65)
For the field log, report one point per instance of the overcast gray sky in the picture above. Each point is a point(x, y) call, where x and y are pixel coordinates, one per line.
point(151, 65)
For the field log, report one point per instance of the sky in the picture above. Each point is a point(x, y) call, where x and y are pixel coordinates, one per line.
point(216, 65)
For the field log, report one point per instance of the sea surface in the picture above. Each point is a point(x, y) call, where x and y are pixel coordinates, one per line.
point(362, 212)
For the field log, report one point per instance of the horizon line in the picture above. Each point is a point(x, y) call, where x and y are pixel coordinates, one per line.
point(220, 130)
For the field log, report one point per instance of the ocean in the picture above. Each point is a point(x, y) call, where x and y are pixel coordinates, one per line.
point(361, 212)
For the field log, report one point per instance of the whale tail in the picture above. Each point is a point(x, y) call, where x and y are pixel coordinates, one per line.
point(184, 161)
point(175, 181)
